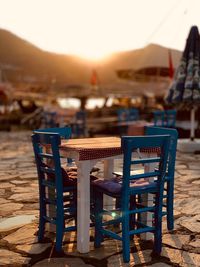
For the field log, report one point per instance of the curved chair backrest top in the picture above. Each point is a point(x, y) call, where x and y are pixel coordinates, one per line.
point(170, 117)
point(133, 114)
point(159, 118)
point(122, 114)
point(64, 132)
point(81, 115)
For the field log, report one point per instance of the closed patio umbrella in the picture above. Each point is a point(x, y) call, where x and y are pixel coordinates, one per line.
point(184, 91)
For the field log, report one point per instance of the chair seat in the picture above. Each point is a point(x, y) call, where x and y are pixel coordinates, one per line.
point(69, 175)
point(113, 187)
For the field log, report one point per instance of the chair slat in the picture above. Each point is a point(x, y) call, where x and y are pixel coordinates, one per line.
point(146, 160)
point(145, 175)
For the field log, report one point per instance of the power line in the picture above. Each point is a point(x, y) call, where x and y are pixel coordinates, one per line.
point(163, 20)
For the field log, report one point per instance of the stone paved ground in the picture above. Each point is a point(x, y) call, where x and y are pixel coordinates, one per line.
point(19, 218)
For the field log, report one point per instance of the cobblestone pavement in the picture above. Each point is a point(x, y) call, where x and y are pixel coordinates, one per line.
point(19, 218)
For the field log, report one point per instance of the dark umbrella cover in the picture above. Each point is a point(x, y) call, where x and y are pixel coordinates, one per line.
point(185, 87)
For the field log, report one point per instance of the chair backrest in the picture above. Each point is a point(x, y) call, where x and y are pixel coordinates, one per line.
point(79, 124)
point(49, 119)
point(122, 114)
point(133, 114)
point(80, 116)
point(40, 140)
point(150, 130)
point(131, 144)
point(159, 118)
point(64, 132)
point(170, 118)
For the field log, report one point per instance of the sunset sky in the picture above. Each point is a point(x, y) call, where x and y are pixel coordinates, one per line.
point(95, 28)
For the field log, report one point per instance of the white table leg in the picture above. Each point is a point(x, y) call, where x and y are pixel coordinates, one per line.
point(83, 206)
point(147, 199)
point(108, 202)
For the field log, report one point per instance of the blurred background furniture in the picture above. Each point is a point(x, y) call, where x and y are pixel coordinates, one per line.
point(133, 114)
point(78, 126)
point(49, 119)
point(165, 118)
point(159, 118)
point(125, 117)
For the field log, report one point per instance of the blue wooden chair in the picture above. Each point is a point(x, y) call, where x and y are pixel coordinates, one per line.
point(79, 125)
point(169, 178)
point(130, 186)
point(133, 114)
point(170, 118)
point(122, 114)
point(49, 119)
point(159, 118)
point(122, 117)
point(51, 175)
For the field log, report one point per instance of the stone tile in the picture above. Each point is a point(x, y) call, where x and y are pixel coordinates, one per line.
point(25, 165)
point(108, 248)
point(190, 259)
point(30, 176)
point(10, 258)
point(31, 197)
point(194, 166)
point(191, 223)
point(19, 182)
point(196, 182)
point(175, 241)
point(189, 173)
point(195, 243)
point(34, 249)
point(62, 262)
point(159, 264)
point(8, 208)
point(24, 189)
point(8, 224)
point(7, 185)
point(2, 192)
point(140, 257)
point(24, 235)
point(4, 201)
point(8, 177)
point(193, 193)
point(192, 207)
point(27, 212)
point(174, 255)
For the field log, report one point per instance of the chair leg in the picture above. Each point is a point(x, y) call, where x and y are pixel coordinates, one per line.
point(42, 221)
point(158, 226)
point(59, 233)
point(41, 228)
point(157, 240)
point(98, 208)
point(126, 238)
point(170, 205)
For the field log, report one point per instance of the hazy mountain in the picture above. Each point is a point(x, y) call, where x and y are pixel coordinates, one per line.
point(22, 61)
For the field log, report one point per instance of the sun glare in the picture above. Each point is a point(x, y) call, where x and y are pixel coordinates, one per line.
point(94, 29)
point(93, 55)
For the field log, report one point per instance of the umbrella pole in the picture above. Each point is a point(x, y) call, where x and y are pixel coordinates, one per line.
point(192, 127)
